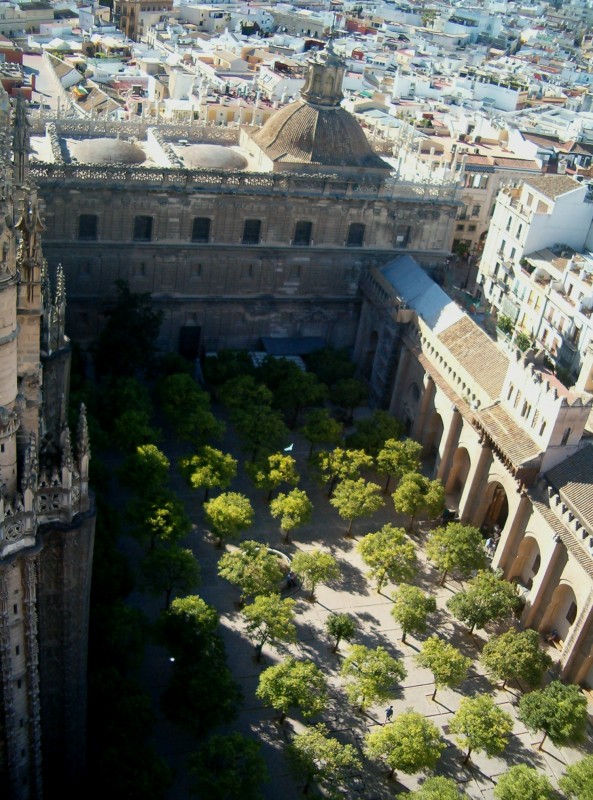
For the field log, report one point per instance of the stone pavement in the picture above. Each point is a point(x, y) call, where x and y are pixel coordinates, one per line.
point(353, 594)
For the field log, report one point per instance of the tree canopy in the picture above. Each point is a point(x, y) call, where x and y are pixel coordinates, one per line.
point(229, 514)
point(518, 655)
point(389, 554)
point(252, 568)
point(271, 471)
point(417, 494)
point(480, 725)
point(228, 767)
point(146, 470)
point(339, 464)
point(160, 520)
point(293, 684)
point(577, 782)
point(372, 432)
point(270, 620)
point(456, 547)
point(487, 598)
point(315, 756)
point(314, 567)
point(522, 782)
point(449, 667)
point(438, 788)
point(356, 498)
point(397, 457)
point(209, 468)
point(410, 608)
point(558, 710)
point(373, 673)
point(341, 626)
point(126, 345)
point(168, 570)
point(321, 428)
point(294, 509)
point(409, 744)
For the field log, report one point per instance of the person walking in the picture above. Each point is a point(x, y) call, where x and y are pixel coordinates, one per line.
point(388, 715)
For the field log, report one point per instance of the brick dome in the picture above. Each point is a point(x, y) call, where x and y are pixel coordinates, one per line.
point(313, 134)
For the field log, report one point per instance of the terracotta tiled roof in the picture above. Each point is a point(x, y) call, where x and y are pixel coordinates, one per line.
point(302, 133)
point(572, 544)
point(477, 354)
point(516, 163)
point(510, 439)
point(553, 186)
point(573, 479)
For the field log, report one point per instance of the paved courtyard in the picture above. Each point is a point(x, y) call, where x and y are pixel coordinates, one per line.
point(354, 594)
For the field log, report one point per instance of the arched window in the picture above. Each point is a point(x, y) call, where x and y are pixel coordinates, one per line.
point(565, 436)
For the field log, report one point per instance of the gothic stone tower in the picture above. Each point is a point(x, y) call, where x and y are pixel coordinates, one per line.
point(46, 514)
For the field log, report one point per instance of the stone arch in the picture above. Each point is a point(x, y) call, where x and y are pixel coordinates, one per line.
point(369, 355)
point(495, 507)
point(527, 562)
point(562, 612)
point(460, 467)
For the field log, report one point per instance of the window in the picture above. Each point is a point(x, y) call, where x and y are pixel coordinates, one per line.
point(471, 228)
point(15, 609)
point(512, 253)
point(542, 429)
point(476, 210)
point(195, 271)
point(87, 227)
point(302, 233)
point(509, 223)
point(355, 235)
point(461, 227)
point(571, 614)
point(510, 394)
point(251, 231)
point(142, 229)
point(536, 564)
point(17, 650)
point(519, 229)
point(200, 231)
point(565, 436)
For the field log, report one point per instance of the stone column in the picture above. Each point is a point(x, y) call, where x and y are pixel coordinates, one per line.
point(400, 377)
point(508, 545)
point(418, 431)
point(550, 577)
point(474, 485)
point(450, 444)
point(10, 718)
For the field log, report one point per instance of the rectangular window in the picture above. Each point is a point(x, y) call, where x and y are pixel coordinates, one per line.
point(302, 233)
point(87, 227)
point(476, 211)
point(251, 231)
point(355, 235)
point(200, 231)
point(142, 229)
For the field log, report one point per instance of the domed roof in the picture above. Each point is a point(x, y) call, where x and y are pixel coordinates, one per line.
point(211, 156)
point(316, 130)
point(312, 134)
point(106, 151)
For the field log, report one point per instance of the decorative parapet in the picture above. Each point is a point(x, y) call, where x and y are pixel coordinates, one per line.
point(225, 182)
point(580, 532)
point(50, 495)
point(54, 141)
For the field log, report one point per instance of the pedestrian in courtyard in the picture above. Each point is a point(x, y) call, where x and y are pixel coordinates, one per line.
point(388, 715)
